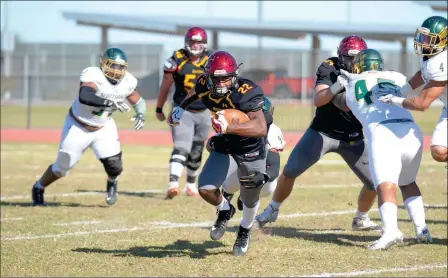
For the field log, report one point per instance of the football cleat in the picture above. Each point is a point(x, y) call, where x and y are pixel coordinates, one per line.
point(37, 195)
point(172, 191)
point(111, 192)
point(242, 242)
point(267, 216)
point(220, 225)
point(191, 191)
point(424, 236)
point(386, 241)
point(364, 224)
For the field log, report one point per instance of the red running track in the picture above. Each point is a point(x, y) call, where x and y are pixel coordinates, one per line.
point(142, 137)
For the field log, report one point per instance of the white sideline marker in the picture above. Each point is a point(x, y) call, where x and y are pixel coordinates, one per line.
point(168, 225)
point(376, 271)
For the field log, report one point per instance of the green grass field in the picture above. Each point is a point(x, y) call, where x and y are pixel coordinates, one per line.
point(145, 235)
point(290, 117)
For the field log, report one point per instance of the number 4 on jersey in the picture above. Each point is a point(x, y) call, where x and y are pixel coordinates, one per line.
point(362, 92)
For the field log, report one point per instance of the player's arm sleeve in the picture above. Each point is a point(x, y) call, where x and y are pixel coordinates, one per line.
point(87, 94)
point(253, 100)
point(323, 74)
point(88, 97)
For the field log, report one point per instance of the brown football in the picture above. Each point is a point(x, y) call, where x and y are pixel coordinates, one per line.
point(234, 116)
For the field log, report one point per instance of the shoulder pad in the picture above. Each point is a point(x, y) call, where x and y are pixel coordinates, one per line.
point(131, 81)
point(170, 65)
point(92, 74)
point(331, 64)
point(437, 67)
point(252, 96)
point(180, 54)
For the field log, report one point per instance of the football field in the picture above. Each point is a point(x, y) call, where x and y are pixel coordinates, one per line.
point(77, 234)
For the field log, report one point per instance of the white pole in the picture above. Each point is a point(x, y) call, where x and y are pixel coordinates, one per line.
point(303, 75)
point(26, 89)
point(259, 19)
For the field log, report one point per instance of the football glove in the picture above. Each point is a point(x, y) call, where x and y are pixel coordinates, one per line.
point(219, 124)
point(139, 121)
point(176, 115)
point(254, 180)
point(118, 105)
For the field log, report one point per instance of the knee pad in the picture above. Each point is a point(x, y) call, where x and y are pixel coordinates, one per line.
point(113, 165)
point(195, 157)
point(63, 164)
point(250, 197)
point(268, 188)
point(179, 156)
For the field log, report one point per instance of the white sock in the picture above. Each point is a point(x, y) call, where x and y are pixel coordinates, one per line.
point(190, 185)
point(389, 215)
point(416, 212)
point(176, 169)
point(39, 185)
point(109, 179)
point(249, 215)
point(224, 205)
point(362, 215)
point(275, 205)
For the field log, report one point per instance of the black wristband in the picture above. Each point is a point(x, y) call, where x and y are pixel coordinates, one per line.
point(159, 110)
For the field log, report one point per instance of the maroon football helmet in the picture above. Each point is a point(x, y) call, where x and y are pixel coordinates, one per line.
point(348, 48)
point(221, 72)
point(196, 41)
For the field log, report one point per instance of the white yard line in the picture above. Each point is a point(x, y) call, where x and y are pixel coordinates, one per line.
point(75, 194)
point(12, 219)
point(342, 162)
point(78, 223)
point(167, 225)
point(376, 271)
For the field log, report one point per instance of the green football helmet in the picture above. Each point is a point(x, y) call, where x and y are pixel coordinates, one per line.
point(368, 59)
point(431, 38)
point(114, 64)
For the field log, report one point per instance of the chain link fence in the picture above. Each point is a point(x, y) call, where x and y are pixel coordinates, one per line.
point(44, 75)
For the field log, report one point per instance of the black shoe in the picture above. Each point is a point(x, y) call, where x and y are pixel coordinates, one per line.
point(219, 228)
point(239, 203)
point(242, 242)
point(111, 194)
point(227, 196)
point(37, 196)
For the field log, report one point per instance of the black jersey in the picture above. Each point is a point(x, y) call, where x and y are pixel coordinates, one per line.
point(330, 120)
point(246, 97)
point(185, 74)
